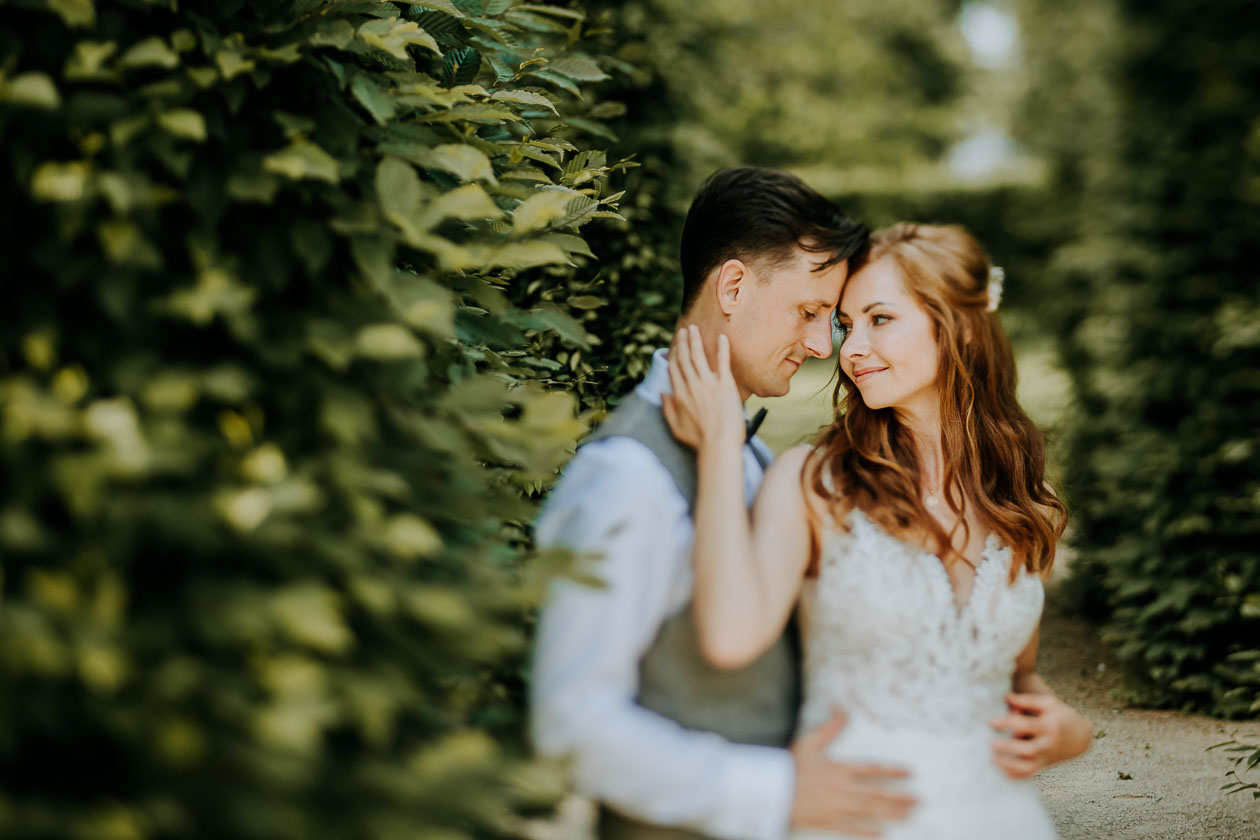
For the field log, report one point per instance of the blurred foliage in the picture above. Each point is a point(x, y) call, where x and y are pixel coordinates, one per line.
point(866, 91)
point(1149, 114)
point(269, 422)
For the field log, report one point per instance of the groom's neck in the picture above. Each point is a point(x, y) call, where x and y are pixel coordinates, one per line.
point(710, 329)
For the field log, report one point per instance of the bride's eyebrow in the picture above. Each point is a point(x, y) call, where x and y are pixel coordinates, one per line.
point(840, 313)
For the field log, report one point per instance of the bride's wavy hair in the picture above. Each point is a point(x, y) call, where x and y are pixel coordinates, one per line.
point(994, 454)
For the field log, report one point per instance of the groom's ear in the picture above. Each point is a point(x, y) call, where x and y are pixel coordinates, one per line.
point(728, 285)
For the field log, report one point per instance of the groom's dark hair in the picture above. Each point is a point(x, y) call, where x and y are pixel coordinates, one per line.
point(761, 215)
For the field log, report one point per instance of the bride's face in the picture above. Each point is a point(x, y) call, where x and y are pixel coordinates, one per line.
point(889, 348)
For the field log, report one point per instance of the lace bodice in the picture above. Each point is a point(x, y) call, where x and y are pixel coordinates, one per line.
point(884, 639)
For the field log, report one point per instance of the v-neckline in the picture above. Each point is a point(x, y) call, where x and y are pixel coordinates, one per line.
point(917, 553)
point(961, 610)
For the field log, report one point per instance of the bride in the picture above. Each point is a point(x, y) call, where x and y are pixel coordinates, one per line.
point(913, 539)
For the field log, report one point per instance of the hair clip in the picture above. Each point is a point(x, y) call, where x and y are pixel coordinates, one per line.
point(996, 278)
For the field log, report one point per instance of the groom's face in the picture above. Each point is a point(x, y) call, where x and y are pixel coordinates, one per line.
point(783, 319)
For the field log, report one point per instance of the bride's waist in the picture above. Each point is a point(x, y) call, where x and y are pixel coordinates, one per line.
point(945, 758)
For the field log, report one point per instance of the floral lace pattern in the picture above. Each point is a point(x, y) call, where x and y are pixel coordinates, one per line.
point(885, 640)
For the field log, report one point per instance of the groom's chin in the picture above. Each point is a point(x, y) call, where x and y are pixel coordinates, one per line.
point(774, 389)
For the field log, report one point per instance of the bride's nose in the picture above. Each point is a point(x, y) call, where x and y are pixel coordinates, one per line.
point(855, 346)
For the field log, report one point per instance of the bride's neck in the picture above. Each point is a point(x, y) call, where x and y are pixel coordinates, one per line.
point(925, 430)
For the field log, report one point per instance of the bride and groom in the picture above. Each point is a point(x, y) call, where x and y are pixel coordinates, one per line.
point(856, 657)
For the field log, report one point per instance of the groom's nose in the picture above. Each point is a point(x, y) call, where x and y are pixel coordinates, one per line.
point(818, 339)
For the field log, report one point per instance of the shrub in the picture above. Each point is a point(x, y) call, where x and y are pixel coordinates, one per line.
point(269, 416)
point(1158, 308)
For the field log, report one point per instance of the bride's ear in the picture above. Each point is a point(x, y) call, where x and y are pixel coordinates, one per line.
point(728, 285)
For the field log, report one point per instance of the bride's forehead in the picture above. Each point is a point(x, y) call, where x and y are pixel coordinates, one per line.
point(880, 280)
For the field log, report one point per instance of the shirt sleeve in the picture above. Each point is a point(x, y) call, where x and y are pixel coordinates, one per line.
point(616, 500)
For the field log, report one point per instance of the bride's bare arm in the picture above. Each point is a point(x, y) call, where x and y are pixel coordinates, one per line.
point(1041, 729)
point(748, 573)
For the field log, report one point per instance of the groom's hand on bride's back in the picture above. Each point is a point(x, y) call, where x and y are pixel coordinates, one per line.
point(855, 799)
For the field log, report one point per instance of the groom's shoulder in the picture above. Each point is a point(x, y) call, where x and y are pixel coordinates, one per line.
point(620, 461)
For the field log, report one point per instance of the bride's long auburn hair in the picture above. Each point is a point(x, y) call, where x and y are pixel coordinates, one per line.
point(994, 456)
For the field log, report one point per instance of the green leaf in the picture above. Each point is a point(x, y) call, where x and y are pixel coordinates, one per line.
point(578, 67)
point(555, 207)
point(233, 63)
point(216, 292)
point(89, 59)
point(560, 81)
point(474, 113)
point(151, 52)
point(374, 99)
point(184, 123)
point(425, 305)
point(570, 243)
point(394, 36)
point(409, 536)
point(75, 12)
point(550, 316)
point(460, 66)
point(465, 162)
point(387, 342)
point(399, 187)
point(332, 33)
point(437, 5)
point(309, 613)
point(468, 203)
point(528, 254)
point(525, 97)
point(303, 159)
point(33, 89)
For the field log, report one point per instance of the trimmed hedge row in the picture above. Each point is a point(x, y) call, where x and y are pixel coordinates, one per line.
point(1150, 126)
point(270, 415)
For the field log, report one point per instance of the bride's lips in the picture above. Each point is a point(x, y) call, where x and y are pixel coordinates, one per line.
point(863, 374)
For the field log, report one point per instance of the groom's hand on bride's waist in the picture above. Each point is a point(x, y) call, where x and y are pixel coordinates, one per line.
point(1037, 731)
point(855, 799)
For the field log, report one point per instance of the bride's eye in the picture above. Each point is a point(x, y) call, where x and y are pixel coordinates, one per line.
point(880, 319)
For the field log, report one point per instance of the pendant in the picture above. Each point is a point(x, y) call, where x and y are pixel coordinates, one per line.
point(931, 500)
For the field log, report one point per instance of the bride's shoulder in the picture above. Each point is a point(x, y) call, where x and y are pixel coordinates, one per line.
point(791, 475)
point(789, 468)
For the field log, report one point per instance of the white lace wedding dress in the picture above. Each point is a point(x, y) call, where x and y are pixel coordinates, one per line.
point(920, 679)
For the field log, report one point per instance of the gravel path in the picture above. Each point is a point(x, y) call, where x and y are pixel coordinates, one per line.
point(1148, 775)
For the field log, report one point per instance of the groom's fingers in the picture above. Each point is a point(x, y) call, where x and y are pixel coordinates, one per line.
point(871, 804)
point(822, 736)
point(876, 772)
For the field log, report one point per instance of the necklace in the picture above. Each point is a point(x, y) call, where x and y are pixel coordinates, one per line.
point(931, 501)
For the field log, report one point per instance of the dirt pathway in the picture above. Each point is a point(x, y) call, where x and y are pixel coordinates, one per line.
point(1148, 775)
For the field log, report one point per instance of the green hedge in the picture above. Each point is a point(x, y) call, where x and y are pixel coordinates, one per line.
point(1150, 125)
point(271, 420)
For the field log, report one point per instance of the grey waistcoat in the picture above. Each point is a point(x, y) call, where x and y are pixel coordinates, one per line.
point(756, 704)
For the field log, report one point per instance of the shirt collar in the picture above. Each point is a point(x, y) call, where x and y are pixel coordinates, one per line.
point(657, 380)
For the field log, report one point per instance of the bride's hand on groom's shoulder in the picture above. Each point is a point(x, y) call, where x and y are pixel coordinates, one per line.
point(1038, 730)
point(704, 408)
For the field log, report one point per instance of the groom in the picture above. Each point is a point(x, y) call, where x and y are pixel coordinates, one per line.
point(670, 746)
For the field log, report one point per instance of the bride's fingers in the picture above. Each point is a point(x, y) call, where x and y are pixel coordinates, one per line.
point(699, 359)
point(680, 362)
point(723, 357)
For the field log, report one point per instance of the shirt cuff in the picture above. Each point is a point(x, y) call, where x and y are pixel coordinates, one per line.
point(755, 795)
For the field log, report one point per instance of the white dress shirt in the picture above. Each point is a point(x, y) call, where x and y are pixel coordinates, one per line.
point(617, 500)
